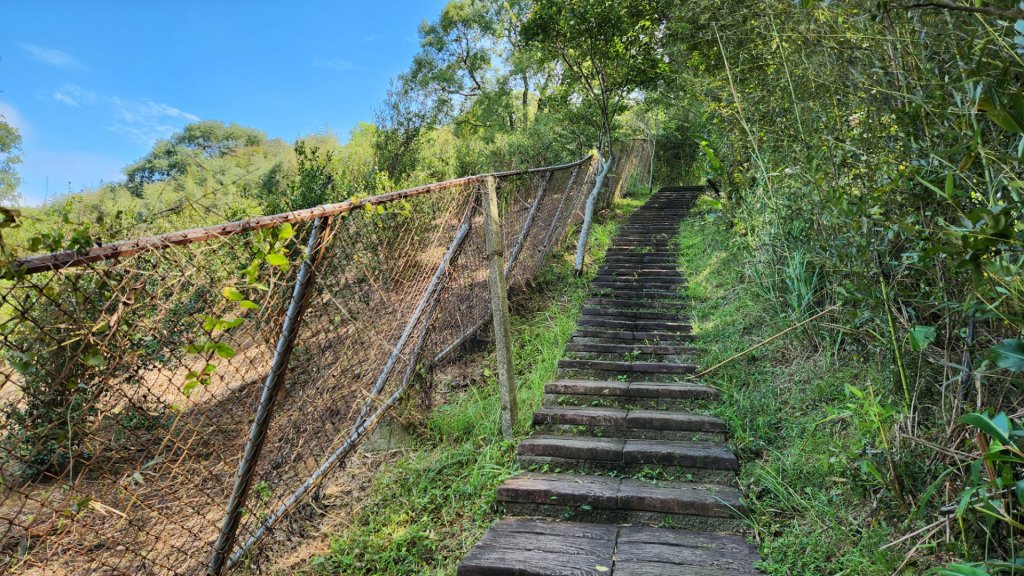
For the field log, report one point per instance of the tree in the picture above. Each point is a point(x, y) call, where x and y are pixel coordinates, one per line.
point(187, 150)
point(455, 56)
point(10, 146)
point(609, 48)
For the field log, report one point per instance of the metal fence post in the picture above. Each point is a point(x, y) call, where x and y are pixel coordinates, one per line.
point(527, 226)
point(588, 216)
point(498, 285)
point(558, 213)
point(271, 387)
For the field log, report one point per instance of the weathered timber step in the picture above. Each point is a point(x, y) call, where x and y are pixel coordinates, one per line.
point(604, 348)
point(695, 506)
point(698, 461)
point(631, 357)
point(635, 293)
point(528, 547)
point(626, 313)
point(639, 283)
point(522, 547)
point(629, 273)
point(637, 272)
point(638, 259)
point(664, 246)
point(640, 263)
point(633, 394)
point(641, 253)
point(628, 367)
point(647, 337)
point(629, 423)
point(633, 299)
point(643, 551)
point(634, 324)
point(638, 305)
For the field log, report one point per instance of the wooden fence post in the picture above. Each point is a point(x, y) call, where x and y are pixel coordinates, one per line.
point(498, 285)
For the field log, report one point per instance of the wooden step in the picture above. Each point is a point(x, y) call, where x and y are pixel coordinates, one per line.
point(647, 337)
point(633, 292)
point(640, 325)
point(637, 259)
point(521, 547)
point(647, 287)
point(694, 506)
point(629, 423)
point(700, 461)
point(628, 367)
point(635, 394)
point(529, 547)
point(609, 348)
point(638, 271)
point(639, 305)
point(641, 550)
point(626, 313)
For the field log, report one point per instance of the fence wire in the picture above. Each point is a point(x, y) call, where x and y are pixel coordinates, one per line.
point(131, 373)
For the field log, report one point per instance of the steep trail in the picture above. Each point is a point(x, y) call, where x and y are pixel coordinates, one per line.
point(630, 476)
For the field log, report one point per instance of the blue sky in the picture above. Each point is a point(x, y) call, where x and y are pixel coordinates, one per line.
point(91, 85)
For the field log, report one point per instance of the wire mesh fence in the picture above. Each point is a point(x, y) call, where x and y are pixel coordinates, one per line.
point(132, 374)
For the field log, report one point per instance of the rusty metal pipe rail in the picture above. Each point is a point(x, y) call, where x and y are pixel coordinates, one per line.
point(125, 248)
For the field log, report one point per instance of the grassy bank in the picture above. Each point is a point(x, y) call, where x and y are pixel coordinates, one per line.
point(804, 418)
point(424, 512)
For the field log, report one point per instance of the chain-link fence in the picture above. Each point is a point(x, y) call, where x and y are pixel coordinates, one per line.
point(165, 402)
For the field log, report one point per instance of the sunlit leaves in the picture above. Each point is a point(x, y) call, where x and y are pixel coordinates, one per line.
point(1009, 354)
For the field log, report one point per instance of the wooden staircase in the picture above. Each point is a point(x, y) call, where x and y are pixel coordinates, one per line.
point(629, 474)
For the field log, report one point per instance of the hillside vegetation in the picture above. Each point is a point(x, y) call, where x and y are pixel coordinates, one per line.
point(864, 160)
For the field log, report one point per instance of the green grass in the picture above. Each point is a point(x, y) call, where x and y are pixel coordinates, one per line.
point(424, 512)
point(802, 438)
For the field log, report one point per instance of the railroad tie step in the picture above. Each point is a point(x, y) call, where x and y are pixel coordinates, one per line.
point(640, 325)
point(638, 305)
point(637, 293)
point(579, 497)
point(518, 547)
point(525, 546)
point(612, 348)
point(627, 367)
point(645, 336)
point(636, 424)
point(632, 394)
point(632, 314)
point(627, 284)
point(700, 461)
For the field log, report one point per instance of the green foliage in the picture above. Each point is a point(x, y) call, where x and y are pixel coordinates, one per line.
point(869, 156)
point(10, 145)
point(805, 426)
point(188, 150)
point(609, 49)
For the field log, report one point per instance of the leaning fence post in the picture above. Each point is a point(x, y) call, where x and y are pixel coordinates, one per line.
point(271, 386)
point(499, 307)
point(581, 245)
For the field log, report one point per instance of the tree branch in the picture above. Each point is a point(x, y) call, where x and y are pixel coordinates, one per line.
point(1012, 14)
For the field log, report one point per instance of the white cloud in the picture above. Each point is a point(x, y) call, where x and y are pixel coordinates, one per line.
point(74, 95)
point(146, 121)
point(52, 57)
point(335, 64)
